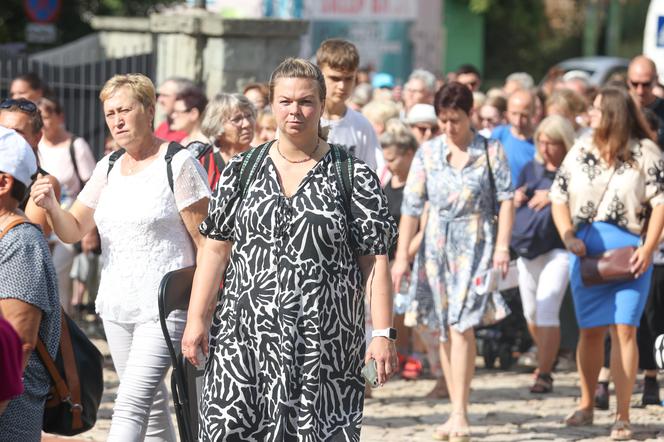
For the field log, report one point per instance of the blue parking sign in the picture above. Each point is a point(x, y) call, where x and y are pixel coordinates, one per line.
point(660, 32)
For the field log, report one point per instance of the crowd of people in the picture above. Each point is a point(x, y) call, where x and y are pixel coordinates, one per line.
point(344, 229)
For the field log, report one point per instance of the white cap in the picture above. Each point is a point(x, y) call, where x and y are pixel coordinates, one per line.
point(577, 74)
point(421, 113)
point(16, 156)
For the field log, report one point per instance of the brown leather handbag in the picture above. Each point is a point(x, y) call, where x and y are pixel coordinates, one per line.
point(612, 265)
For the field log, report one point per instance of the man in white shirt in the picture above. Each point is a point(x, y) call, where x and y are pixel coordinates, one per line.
point(338, 61)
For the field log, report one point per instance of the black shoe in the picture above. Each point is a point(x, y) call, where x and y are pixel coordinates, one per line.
point(602, 396)
point(650, 392)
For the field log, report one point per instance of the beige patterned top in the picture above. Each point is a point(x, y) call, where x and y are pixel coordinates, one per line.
point(584, 175)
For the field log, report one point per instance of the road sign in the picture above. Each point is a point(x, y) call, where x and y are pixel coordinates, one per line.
point(42, 11)
point(40, 33)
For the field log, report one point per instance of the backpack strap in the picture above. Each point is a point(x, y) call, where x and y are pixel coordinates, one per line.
point(173, 148)
point(72, 155)
point(115, 156)
point(68, 391)
point(344, 172)
point(250, 164)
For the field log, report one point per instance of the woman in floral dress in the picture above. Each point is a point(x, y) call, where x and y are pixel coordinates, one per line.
point(461, 239)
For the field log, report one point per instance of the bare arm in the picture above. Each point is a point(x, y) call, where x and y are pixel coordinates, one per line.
point(36, 214)
point(562, 218)
point(25, 319)
point(416, 242)
point(642, 257)
point(212, 260)
point(375, 270)
point(501, 254)
point(401, 266)
point(70, 226)
point(192, 217)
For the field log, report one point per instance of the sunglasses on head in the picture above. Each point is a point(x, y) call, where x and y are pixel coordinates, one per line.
point(23, 105)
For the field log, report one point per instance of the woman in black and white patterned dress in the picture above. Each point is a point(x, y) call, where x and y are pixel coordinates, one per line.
point(287, 339)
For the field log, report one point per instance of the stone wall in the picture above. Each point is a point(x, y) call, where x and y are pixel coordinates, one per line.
point(220, 53)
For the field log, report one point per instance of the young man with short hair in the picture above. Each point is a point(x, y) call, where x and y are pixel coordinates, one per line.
point(338, 61)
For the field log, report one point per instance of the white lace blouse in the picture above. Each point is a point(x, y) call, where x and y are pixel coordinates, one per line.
point(142, 234)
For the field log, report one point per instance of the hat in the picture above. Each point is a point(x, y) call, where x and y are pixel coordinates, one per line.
point(577, 74)
point(382, 80)
point(16, 156)
point(421, 113)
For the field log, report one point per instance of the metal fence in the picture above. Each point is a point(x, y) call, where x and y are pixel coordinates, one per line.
point(77, 88)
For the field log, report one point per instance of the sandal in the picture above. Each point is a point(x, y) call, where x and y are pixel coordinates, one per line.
point(579, 418)
point(441, 433)
point(621, 430)
point(412, 369)
point(460, 435)
point(543, 384)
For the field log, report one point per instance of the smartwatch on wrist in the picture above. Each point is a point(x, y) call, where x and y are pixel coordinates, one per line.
point(389, 333)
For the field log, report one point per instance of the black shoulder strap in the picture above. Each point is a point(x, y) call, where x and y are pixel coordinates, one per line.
point(72, 155)
point(250, 164)
point(492, 181)
point(113, 158)
point(173, 148)
point(219, 161)
point(344, 172)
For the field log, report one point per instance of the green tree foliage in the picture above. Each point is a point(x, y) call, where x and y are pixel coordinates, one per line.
point(519, 38)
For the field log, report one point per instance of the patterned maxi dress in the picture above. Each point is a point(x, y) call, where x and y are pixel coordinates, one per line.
point(287, 339)
point(460, 234)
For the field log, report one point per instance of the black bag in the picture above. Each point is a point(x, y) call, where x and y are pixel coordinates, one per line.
point(77, 382)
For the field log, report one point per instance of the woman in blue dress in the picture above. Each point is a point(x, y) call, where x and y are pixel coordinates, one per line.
point(599, 200)
point(463, 177)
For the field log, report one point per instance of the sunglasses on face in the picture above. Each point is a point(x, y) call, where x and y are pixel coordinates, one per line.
point(22, 104)
point(636, 84)
point(424, 129)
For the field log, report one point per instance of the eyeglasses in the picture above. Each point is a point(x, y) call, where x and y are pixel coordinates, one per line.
point(22, 104)
point(237, 120)
point(424, 129)
point(643, 84)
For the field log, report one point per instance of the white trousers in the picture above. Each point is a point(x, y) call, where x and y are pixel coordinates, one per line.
point(139, 352)
point(542, 283)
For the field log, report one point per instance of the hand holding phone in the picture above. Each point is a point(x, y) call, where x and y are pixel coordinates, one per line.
point(370, 373)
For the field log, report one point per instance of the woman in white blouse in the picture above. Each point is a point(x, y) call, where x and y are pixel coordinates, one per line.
point(147, 229)
point(599, 199)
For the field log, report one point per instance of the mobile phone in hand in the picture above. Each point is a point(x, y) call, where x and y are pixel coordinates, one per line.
point(370, 373)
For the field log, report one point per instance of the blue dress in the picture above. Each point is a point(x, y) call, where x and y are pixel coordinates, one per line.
point(614, 303)
point(460, 233)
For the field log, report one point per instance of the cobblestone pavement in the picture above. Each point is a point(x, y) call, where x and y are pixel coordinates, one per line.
point(502, 410)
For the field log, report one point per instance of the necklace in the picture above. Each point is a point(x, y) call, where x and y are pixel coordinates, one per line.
point(4, 219)
point(302, 160)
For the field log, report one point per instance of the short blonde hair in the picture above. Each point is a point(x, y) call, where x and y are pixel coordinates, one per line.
point(559, 129)
point(570, 102)
point(379, 111)
point(220, 109)
point(141, 87)
point(399, 135)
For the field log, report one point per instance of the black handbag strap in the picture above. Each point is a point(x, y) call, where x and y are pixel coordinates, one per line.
point(492, 181)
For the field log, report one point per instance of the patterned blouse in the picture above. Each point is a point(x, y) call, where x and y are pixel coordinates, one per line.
point(583, 176)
